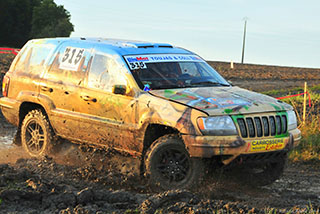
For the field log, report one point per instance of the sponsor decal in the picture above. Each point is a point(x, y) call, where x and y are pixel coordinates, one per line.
point(267, 145)
point(136, 59)
point(139, 61)
point(146, 87)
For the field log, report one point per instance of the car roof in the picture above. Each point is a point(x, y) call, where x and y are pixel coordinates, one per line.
point(127, 47)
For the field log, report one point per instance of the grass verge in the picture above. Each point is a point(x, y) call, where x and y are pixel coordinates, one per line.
point(309, 148)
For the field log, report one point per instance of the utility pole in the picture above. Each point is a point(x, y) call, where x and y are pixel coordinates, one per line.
point(244, 38)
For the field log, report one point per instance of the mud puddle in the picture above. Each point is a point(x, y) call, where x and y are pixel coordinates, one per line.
point(6, 141)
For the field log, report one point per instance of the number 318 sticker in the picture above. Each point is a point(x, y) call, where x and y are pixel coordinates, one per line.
point(71, 58)
point(137, 65)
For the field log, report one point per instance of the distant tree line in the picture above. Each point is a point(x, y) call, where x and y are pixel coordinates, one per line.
point(21, 20)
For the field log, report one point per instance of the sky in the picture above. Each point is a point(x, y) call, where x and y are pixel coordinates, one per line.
point(285, 32)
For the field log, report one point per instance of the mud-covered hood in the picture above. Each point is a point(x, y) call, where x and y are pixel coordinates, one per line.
point(223, 100)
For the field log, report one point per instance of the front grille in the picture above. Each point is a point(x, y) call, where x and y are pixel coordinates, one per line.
point(250, 125)
point(243, 127)
point(262, 126)
point(257, 121)
point(272, 126)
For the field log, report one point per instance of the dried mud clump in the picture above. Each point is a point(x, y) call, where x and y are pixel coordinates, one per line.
point(43, 186)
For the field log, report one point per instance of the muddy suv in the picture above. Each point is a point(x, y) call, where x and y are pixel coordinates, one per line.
point(161, 103)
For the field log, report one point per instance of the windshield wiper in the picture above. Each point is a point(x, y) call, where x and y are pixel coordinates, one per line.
point(208, 82)
point(168, 87)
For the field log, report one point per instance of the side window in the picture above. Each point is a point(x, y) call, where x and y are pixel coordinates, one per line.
point(189, 68)
point(69, 64)
point(104, 73)
point(23, 62)
point(40, 53)
point(33, 58)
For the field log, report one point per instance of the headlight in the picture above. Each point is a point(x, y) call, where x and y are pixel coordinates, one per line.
point(217, 126)
point(292, 120)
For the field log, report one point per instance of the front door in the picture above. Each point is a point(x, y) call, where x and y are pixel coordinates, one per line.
point(110, 117)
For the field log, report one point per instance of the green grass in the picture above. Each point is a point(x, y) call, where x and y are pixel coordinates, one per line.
point(309, 148)
point(290, 91)
point(279, 92)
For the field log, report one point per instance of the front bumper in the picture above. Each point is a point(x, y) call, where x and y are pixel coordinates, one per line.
point(233, 146)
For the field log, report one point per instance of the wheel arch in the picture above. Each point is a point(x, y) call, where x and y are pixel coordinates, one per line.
point(26, 107)
point(155, 131)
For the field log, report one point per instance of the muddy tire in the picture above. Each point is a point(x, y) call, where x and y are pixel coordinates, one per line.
point(169, 166)
point(37, 134)
point(265, 174)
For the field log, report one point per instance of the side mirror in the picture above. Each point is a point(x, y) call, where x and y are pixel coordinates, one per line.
point(119, 89)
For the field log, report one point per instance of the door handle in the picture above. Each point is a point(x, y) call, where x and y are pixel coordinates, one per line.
point(46, 88)
point(88, 98)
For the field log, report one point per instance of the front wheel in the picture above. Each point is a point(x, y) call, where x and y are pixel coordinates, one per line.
point(169, 166)
point(36, 134)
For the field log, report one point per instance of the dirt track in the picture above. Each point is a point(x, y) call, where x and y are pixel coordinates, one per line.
point(82, 180)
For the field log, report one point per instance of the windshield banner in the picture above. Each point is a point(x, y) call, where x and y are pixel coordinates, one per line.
point(138, 61)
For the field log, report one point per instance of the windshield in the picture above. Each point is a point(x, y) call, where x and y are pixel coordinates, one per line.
point(173, 71)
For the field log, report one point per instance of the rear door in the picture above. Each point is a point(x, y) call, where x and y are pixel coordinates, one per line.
point(61, 87)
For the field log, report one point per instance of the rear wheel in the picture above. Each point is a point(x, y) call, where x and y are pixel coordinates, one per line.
point(36, 134)
point(169, 166)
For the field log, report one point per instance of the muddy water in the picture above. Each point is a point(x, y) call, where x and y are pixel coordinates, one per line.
point(6, 141)
point(7, 132)
point(9, 153)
